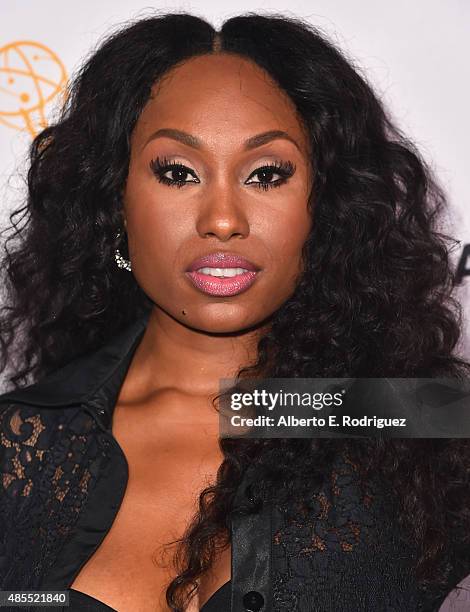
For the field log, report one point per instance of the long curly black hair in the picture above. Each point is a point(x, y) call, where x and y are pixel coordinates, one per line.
point(375, 299)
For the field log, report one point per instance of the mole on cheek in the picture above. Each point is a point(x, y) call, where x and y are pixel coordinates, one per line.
point(183, 312)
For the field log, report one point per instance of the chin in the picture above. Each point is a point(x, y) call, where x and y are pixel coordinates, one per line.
point(222, 327)
point(225, 321)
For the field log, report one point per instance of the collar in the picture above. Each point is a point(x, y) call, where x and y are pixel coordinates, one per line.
point(93, 379)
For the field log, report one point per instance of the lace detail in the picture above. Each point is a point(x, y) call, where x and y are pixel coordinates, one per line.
point(354, 557)
point(48, 460)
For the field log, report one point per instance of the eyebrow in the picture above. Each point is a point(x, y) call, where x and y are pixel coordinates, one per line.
point(251, 143)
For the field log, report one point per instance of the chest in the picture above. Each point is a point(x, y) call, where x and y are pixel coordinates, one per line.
point(169, 464)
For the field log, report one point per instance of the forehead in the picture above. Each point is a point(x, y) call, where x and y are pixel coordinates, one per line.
point(219, 96)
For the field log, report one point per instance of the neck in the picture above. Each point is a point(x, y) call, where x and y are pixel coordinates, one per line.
point(176, 356)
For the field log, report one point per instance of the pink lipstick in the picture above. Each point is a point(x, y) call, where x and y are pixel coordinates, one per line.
point(222, 274)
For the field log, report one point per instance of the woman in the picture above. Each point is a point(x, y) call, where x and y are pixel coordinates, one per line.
point(181, 152)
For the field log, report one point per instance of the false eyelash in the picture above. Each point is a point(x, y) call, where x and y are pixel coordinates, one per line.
point(284, 169)
point(160, 166)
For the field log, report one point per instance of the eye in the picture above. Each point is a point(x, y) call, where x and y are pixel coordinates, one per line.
point(172, 173)
point(265, 174)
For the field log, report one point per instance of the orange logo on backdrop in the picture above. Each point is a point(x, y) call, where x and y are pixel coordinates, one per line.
point(32, 77)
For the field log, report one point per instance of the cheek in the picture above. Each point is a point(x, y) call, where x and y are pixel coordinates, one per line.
point(152, 239)
point(156, 232)
point(285, 233)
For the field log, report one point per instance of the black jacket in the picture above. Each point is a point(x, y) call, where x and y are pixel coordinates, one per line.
point(64, 473)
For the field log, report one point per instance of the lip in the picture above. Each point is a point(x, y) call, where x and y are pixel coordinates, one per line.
point(222, 259)
point(211, 285)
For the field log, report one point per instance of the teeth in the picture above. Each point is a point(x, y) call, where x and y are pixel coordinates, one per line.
point(222, 272)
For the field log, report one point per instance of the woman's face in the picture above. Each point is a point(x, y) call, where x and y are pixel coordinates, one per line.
point(196, 187)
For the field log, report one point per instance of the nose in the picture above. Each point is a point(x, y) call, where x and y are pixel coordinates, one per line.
point(223, 214)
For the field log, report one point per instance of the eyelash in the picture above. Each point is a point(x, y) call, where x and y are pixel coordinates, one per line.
point(161, 166)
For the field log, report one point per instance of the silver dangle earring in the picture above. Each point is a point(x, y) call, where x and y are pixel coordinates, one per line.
point(121, 262)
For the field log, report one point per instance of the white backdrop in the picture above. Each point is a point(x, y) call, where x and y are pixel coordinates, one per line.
point(415, 53)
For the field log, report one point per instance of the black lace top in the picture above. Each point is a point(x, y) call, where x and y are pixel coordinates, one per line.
point(64, 477)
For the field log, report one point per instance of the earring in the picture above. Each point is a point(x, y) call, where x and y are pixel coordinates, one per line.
point(121, 262)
